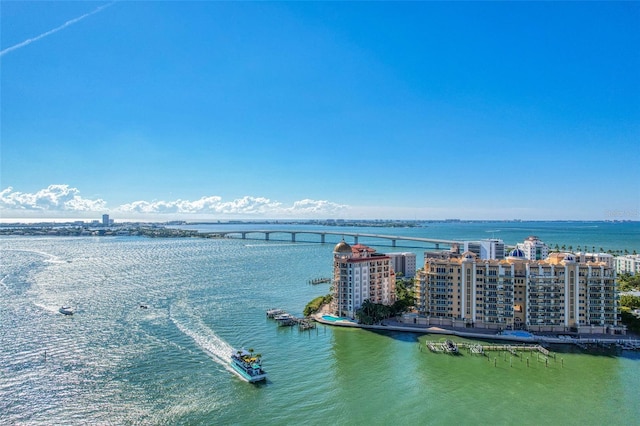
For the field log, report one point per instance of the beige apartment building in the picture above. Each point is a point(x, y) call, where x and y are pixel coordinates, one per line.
point(359, 273)
point(555, 294)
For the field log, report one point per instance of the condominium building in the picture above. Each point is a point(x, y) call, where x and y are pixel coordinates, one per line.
point(605, 258)
point(533, 248)
point(404, 263)
point(359, 273)
point(555, 294)
point(629, 264)
point(491, 248)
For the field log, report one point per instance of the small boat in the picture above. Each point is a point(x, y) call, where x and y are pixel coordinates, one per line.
point(450, 347)
point(248, 365)
point(271, 313)
point(66, 310)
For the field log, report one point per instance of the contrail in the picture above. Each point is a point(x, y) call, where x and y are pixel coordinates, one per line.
point(55, 30)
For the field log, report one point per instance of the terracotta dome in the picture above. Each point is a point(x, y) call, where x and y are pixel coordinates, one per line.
point(342, 247)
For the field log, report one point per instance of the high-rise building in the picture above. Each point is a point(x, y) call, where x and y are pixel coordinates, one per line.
point(606, 258)
point(534, 249)
point(404, 263)
point(629, 264)
point(491, 248)
point(359, 273)
point(105, 220)
point(556, 294)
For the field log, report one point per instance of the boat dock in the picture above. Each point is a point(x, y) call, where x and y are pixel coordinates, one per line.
point(271, 313)
point(478, 349)
point(449, 347)
point(321, 280)
point(284, 318)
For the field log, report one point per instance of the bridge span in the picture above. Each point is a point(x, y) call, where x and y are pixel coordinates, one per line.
point(355, 235)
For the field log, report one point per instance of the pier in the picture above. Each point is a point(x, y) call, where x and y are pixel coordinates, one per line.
point(284, 318)
point(321, 280)
point(478, 349)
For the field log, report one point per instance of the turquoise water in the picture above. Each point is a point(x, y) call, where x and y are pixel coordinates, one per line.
point(592, 235)
point(116, 363)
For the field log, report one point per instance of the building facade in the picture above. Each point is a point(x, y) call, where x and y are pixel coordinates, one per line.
point(629, 264)
point(492, 248)
point(359, 273)
point(534, 249)
point(404, 263)
point(606, 258)
point(556, 294)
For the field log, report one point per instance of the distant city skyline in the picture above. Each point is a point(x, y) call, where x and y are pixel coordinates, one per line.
point(320, 110)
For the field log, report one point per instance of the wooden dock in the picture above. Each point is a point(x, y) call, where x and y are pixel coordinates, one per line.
point(478, 349)
point(284, 318)
point(321, 280)
point(448, 347)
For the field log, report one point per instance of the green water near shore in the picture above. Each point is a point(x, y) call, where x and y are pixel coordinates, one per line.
point(499, 388)
point(115, 363)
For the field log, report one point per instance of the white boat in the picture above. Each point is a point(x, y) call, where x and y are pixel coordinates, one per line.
point(66, 310)
point(450, 347)
point(248, 365)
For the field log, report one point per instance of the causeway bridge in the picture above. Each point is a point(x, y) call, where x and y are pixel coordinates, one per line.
point(322, 235)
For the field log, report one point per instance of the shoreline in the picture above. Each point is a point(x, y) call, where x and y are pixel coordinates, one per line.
point(392, 325)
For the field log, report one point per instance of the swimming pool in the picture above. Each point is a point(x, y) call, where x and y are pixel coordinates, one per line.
point(334, 318)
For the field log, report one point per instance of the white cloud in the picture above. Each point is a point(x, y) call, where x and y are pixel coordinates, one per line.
point(247, 205)
point(52, 198)
point(212, 204)
point(308, 206)
point(63, 199)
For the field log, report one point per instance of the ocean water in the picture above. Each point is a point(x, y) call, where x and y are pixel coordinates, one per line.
point(114, 362)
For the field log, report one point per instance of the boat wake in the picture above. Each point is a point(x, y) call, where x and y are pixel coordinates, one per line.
point(48, 257)
point(216, 348)
point(3, 283)
point(47, 308)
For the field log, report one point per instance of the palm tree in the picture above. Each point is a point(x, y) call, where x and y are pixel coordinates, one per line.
point(365, 311)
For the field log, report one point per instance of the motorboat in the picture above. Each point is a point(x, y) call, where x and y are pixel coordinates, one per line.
point(66, 310)
point(248, 365)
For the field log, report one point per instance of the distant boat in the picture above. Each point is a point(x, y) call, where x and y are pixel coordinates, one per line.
point(248, 365)
point(66, 310)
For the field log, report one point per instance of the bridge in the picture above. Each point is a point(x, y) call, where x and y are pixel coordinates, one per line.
point(322, 234)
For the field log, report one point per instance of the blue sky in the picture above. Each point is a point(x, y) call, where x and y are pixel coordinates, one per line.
point(416, 110)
